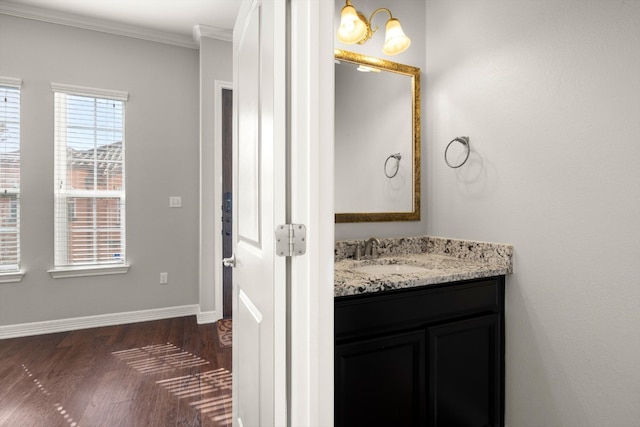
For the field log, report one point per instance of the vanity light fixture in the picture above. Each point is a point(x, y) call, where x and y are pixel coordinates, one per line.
point(355, 28)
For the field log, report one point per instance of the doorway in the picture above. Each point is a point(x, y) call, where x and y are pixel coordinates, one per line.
point(227, 199)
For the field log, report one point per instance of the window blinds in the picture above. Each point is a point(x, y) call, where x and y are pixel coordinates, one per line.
point(89, 177)
point(9, 174)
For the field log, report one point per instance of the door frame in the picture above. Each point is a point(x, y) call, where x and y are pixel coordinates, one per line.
point(210, 246)
point(311, 114)
point(219, 86)
point(311, 280)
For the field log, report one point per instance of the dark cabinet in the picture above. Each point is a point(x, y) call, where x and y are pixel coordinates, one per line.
point(380, 373)
point(429, 356)
point(464, 373)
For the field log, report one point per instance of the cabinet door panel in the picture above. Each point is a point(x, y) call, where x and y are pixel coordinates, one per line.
point(464, 373)
point(380, 382)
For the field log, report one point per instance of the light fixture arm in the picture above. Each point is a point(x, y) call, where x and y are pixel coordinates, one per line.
point(375, 12)
point(370, 30)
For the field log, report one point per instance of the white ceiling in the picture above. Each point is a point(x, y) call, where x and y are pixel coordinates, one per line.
point(170, 16)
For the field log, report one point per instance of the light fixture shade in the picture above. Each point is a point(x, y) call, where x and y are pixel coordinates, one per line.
point(395, 40)
point(352, 28)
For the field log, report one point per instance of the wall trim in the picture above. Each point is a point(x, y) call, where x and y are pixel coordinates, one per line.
point(200, 31)
point(101, 25)
point(11, 82)
point(72, 324)
point(93, 92)
point(208, 317)
point(97, 270)
point(11, 276)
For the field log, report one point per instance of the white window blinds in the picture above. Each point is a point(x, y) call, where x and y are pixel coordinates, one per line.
point(9, 174)
point(89, 176)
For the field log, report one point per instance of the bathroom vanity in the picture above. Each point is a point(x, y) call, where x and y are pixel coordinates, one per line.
point(419, 333)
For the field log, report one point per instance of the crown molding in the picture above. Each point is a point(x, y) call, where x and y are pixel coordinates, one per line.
point(104, 26)
point(200, 31)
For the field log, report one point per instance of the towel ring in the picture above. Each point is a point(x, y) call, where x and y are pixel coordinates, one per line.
point(464, 140)
point(396, 156)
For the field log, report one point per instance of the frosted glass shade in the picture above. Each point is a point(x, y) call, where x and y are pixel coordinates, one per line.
point(395, 40)
point(352, 28)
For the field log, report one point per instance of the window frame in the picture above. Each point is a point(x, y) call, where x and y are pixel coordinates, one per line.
point(14, 273)
point(63, 197)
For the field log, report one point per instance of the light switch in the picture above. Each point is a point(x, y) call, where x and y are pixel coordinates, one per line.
point(175, 202)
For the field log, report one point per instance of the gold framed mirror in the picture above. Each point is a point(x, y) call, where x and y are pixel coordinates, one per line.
point(377, 139)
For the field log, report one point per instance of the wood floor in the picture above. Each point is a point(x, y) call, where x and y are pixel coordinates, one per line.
point(153, 374)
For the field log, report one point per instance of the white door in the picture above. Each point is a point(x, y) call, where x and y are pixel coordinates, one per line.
point(259, 180)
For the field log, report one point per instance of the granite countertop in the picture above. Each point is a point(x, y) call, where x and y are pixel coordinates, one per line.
point(442, 260)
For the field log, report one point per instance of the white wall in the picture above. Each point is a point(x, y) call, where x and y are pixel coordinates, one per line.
point(549, 93)
point(161, 156)
point(411, 15)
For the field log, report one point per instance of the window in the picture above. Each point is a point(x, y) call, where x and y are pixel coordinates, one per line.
point(9, 175)
point(89, 177)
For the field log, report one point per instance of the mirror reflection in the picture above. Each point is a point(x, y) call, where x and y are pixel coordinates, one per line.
point(377, 139)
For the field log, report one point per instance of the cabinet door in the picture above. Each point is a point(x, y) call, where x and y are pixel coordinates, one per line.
point(380, 382)
point(464, 373)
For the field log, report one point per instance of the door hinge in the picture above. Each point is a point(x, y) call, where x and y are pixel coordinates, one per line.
point(291, 240)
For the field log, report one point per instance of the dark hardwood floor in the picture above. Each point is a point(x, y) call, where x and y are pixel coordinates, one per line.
point(161, 373)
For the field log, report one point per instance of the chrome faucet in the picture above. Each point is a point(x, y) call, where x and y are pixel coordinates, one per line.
point(368, 247)
point(357, 254)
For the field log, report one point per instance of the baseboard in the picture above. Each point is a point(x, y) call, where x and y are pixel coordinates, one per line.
point(208, 317)
point(64, 325)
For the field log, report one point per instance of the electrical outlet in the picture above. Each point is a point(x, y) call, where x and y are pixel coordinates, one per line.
point(164, 278)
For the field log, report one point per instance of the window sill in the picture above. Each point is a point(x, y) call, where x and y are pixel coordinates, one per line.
point(12, 277)
point(65, 272)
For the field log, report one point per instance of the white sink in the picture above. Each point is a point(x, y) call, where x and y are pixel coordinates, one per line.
point(390, 269)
